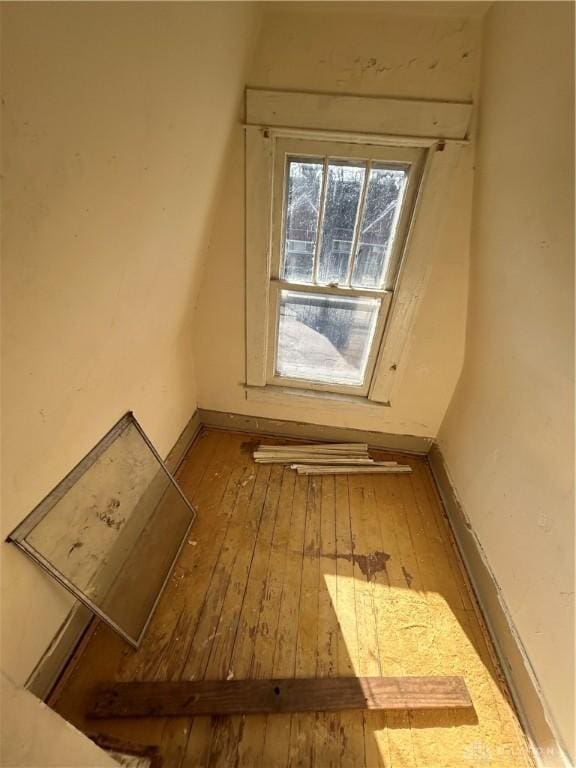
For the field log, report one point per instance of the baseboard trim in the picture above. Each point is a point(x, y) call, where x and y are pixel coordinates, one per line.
point(521, 678)
point(183, 443)
point(50, 667)
point(236, 422)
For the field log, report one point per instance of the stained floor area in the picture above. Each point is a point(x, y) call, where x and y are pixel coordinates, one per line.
point(308, 576)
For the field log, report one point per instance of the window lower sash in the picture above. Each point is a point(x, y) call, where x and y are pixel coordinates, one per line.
point(315, 343)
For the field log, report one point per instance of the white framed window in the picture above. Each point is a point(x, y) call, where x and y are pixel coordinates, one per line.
point(340, 215)
point(343, 198)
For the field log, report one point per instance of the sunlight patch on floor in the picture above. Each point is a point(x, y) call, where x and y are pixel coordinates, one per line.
point(419, 633)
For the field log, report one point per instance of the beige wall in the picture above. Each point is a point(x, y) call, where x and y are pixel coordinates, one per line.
point(116, 121)
point(33, 735)
point(508, 435)
point(352, 49)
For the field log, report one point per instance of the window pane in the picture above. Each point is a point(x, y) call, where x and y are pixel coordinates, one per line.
point(382, 207)
point(301, 219)
point(325, 338)
point(343, 189)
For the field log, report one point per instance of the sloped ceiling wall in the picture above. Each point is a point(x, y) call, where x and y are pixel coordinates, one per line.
point(116, 118)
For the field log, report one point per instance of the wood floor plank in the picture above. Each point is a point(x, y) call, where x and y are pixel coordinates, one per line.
point(246, 735)
point(448, 579)
point(222, 644)
point(199, 648)
point(222, 641)
point(327, 724)
point(252, 743)
point(397, 600)
point(268, 621)
point(302, 746)
point(415, 623)
point(368, 563)
point(243, 651)
point(278, 727)
point(199, 743)
point(196, 610)
point(351, 732)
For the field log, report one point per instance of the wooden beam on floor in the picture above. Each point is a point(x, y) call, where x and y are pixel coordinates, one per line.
point(318, 448)
point(228, 697)
point(303, 459)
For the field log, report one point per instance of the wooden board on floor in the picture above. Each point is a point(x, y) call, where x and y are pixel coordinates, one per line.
point(230, 697)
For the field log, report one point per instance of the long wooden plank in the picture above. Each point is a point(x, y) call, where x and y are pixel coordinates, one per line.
point(357, 469)
point(321, 447)
point(325, 455)
point(317, 447)
point(289, 449)
point(301, 740)
point(226, 697)
point(322, 461)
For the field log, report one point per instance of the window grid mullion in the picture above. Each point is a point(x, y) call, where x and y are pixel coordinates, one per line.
point(357, 225)
point(318, 243)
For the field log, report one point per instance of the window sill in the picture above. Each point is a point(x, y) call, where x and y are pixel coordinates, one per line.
point(271, 393)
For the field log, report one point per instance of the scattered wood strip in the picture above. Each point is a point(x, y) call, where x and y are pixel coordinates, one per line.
point(321, 448)
point(335, 453)
point(269, 456)
point(326, 459)
point(309, 460)
point(228, 697)
point(313, 469)
point(309, 451)
point(319, 454)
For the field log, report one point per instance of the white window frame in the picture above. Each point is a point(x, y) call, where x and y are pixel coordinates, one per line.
point(284, 148)
point(277, 121)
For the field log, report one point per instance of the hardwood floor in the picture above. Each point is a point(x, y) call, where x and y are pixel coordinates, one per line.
point(287, 575)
